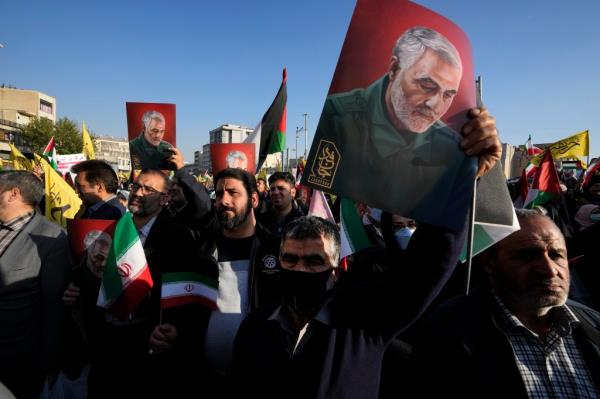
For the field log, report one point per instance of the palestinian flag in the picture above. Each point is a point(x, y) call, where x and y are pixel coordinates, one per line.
point(528, 172)
point(353, 234)
point(126, 280)
point(269, 135)
point(495, 216)
point(50, 154)
point(546, 184)
point(186, 288)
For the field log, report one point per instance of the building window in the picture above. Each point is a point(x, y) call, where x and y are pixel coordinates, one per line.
point(46, 107)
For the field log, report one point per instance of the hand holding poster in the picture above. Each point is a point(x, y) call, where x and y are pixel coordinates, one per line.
point(388, 135)
point(151, 131)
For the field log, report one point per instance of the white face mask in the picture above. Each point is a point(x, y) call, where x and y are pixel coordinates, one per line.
point(403, 236)
point(595, 217)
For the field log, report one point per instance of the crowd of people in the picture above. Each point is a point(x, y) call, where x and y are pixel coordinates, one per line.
point(293, 320)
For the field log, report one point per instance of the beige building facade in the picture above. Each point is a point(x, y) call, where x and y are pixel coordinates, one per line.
point(114, 151)
point(17, 108)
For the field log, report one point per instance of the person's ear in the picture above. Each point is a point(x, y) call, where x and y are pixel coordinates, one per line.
point(394, 68)
point(293, 191)
point(254, 199)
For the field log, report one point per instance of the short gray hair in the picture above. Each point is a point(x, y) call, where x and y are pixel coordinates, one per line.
point(414, 42)
point(309, 227)
point(150, 115)
point(96, 235)
point(31, 188)
point(235, 155)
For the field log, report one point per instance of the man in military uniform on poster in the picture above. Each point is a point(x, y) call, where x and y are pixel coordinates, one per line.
point(149, 150)
point(388, 138)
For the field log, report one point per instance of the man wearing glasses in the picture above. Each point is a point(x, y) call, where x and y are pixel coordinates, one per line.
point(151, 343)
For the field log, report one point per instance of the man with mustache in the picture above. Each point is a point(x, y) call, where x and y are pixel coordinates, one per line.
point(151, 343)
point(246, 256)
point(391, 150)
point(518, 335)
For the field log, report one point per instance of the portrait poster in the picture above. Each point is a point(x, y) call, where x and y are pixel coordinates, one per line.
point(90, 241)
point(233, 155)
point(151, 131)
point(389, 133)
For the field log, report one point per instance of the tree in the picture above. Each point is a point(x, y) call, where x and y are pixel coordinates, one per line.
point(67, 137)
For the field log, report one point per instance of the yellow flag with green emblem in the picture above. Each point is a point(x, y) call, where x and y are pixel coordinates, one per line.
point(576, 146)
point(88, 144)
point(19, 161)
point(62, 202)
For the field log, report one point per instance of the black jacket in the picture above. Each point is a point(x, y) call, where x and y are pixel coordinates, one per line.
point(341, 357)
point(110, 210)
point(264, 257)
point(461, 351)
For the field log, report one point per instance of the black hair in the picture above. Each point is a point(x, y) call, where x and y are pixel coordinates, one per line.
point(245, 177)
point(97, 171)
point(286, 176)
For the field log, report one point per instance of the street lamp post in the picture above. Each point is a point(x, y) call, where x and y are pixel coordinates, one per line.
point(298, 130)
point(305, 133)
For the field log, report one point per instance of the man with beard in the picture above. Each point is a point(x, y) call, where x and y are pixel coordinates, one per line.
point(151, 343)
point(518, 336)
point(391, 132)
point(97, 244)
point(246, 256)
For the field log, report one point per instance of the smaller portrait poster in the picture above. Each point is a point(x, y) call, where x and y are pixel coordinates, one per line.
point(389, 133)
point(151, 133)
point(232, 155)
point(90, 242)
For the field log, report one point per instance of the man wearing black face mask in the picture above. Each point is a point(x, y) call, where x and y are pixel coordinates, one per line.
point(150, 344)
point(327, 337)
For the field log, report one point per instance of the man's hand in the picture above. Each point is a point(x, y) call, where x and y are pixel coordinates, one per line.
point(177, 158)
point(70, 295)
point(480, 138)
point(163, 337)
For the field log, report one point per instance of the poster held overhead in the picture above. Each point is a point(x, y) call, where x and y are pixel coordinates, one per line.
point(152, 132)
point(389, 131)
point(232, 155)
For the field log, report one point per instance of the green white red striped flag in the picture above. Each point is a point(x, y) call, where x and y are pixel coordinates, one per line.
point(126, 279)
point(352, 233)
point(50, 154)
point(184, 288)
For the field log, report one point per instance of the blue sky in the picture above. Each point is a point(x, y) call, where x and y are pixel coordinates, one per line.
point(221, 62)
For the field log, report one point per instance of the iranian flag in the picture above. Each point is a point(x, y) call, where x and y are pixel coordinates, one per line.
point(531, 149)
point(50, 154)
point(126, 280)
point(269, 136)
point(353, 234)
point(546, 184)
point(184, 288)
